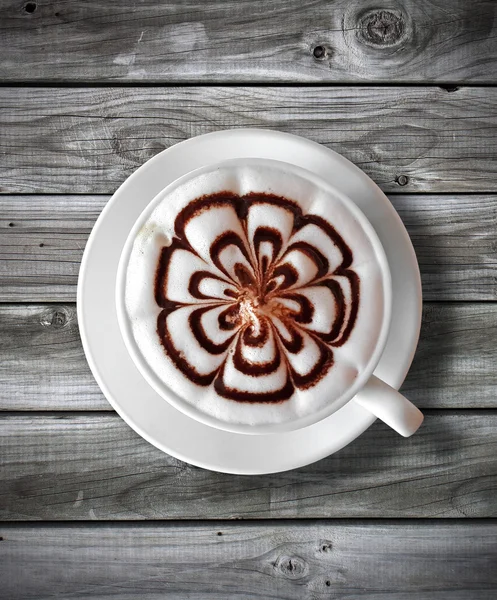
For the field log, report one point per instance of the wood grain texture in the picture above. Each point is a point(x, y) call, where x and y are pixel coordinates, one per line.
point(42, 363)
point(244, 41)
point(93, 466)
point(43, 367)
point(221, 561)
point(88, 140)
point(42, 240)
point(90, 466)
point(454, 364)
point(455, 239)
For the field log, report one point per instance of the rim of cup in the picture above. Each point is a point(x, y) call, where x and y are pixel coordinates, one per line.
point(167, 393)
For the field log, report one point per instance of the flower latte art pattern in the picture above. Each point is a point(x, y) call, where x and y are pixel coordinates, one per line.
point(268, 297)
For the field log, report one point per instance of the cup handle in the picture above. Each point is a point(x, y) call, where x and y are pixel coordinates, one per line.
point(391, 407)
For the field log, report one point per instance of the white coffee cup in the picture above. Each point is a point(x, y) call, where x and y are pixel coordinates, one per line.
point(284, 180)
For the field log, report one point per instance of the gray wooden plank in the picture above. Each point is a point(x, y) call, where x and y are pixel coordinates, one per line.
point(454, 365)
point(93, 466)
point(42, 240)
point(455, 239)
point(294, 561)
point(42, 363)
point(88, 140)
point(185, 41)
point(43, 367)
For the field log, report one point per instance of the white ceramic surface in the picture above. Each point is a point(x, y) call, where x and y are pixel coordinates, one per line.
point(289, 175)
point(128, 392)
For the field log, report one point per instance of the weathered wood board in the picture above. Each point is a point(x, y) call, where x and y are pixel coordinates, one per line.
point(88, 140)
point(249, 41)
point(287, 561)
point(42, 239)
point(43, 367)
point(93, 466)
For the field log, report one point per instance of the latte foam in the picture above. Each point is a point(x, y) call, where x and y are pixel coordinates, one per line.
point(255, 295)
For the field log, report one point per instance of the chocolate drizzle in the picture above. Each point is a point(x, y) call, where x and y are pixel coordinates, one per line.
point(263, 310)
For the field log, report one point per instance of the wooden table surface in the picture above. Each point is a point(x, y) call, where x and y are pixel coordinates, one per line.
point(407, 90)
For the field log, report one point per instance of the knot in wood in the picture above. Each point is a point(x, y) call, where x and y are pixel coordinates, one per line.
point(291, 567)
point(55, 317)
point(381, 28)
point(320, 52)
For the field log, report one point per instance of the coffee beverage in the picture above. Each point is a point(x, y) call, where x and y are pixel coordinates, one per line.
point(254, 295)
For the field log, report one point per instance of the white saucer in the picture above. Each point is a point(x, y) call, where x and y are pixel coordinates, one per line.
point(131, 396)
